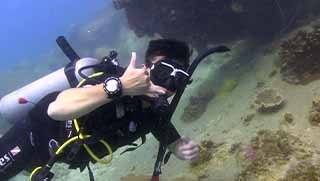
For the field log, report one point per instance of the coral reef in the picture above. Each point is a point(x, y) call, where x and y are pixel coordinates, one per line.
point(269, 150)
point(287, 119)
point(132, 177)
point(235, 147)
point(249, 153)
point(314, 114)
point(272, 73)
point(198, 104)
point(303, 170)
point(260, 84)
point(229, 19)
point(248, 118)
point(300, 62)
point(208, 147)
point(268, 100)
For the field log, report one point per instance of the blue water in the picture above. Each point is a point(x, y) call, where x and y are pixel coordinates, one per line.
point(220, 109)
point(29, 27)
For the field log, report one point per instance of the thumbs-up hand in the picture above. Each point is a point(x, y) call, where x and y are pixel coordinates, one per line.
point(136, 81)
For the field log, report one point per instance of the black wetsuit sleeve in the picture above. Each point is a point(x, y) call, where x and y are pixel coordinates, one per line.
point(39, 112)
point(165, 132)
point(16, 151)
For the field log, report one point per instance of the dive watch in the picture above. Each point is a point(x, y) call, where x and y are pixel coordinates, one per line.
point(112, 86)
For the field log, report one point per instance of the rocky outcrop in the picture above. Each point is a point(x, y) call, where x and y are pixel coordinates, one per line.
point(207, 22)
point(268, 100)
point(300, 57)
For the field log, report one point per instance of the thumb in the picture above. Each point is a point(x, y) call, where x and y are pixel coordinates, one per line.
point(132, 63)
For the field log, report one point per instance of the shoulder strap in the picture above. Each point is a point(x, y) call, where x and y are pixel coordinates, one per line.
point(69, 70)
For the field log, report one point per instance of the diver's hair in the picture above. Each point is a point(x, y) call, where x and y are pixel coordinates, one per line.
point(170, 48)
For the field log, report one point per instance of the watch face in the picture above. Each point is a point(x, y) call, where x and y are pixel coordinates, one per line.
point(112, 85)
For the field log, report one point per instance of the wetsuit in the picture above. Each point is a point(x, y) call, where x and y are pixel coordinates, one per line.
point(27, 144)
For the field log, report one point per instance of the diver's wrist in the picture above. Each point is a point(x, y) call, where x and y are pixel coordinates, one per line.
point(125, 86)
point(173, 146)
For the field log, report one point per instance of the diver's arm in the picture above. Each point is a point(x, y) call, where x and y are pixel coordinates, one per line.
point(76, 102)
point(166, 133)
point(182, 147)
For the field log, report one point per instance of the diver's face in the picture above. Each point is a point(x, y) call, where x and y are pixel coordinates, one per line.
point(155, 60)
point(168, 73)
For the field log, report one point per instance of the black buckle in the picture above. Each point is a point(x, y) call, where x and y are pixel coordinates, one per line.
point(74, 149)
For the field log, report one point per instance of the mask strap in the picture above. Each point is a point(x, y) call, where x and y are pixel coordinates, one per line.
point(173, 73)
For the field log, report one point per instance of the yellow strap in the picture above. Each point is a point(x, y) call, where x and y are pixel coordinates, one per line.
point(81, 136)
point(91, 76)
point(102, 161)
point(88, 149)
point(65, 144)
point(33, 172)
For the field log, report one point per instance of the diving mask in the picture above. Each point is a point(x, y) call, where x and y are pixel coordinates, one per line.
point(169, 74)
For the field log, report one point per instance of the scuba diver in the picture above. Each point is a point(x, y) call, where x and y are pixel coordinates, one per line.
point(104, 112)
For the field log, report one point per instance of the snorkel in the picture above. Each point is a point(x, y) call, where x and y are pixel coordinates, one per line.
point(190, 70)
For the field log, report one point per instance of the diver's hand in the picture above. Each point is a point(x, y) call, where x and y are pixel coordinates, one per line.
point(186, 149)
point(136, 81)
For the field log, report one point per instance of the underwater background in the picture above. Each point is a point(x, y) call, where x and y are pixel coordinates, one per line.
point(255, 110)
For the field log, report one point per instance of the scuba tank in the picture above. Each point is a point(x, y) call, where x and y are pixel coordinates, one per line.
point(16, 105)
